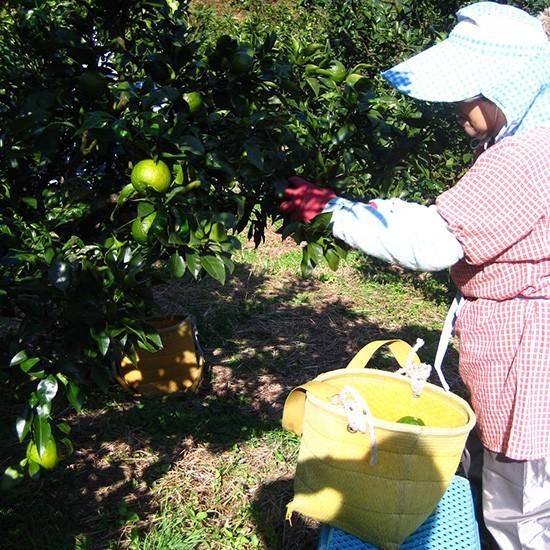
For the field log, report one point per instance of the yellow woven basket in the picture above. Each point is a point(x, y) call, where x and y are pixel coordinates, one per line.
point(177, 367)
point(336, 483)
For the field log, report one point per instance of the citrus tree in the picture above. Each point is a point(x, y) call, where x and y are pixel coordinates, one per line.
point(127, 159)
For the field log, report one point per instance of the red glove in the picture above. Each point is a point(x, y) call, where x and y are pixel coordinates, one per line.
point(304, 200)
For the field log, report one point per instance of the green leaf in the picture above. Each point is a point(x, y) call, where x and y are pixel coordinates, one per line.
point(97, 119)
point(126, 192)
point(22, 427)
point(175, 192)
point(42, 433)
point(64, 428)
point(44, 409)
point(148, 337)
point(229, 264)
point(59, 274)
point(102, 340)
point(315, 252)
point(289, 229)
point(143, 344)
point(228, 219)
point(49, 255)
point(100, 376)
point(177, 265)
point(178, 179)
point(152, 335)
point(218, 233)
point(215, 267)
point(18, 358)
point(47, 389)
point(30, 201)
point(73, 392)
point(322, 221)
point(34, 469)
point(27, 366)
point(68, 444)
point(306, 267)
point(190, 144)
point(332, 258)
point(254, 155)
point(342, 252)
point(10, 478)
point(144, 209)
point(314, 85)
point(193, 263)
point(343, 133)
point(132, 518)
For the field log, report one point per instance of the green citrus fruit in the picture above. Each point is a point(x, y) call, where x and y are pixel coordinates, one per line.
point(148, 173)
point(142, 226)
point(411, 420)
point(241, 61)
point(193, 100)
point(49, 458)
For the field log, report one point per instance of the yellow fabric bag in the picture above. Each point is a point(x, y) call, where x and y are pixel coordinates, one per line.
point(177, 367)
point(337, 481)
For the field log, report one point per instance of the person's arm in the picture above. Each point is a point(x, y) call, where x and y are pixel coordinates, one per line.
point(398, 232)
point(407, 234)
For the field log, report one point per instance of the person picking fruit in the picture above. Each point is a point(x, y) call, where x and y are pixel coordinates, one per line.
point(493, 230)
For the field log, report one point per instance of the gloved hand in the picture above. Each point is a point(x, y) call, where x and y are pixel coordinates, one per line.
point(304, 200)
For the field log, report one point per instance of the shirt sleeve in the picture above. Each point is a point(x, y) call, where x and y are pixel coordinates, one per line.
point(399, 232)
point(495, 204)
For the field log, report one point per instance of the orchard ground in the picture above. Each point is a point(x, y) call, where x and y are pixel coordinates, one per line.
point(214, 470)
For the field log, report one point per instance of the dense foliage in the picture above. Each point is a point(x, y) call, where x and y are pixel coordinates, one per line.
point(88, 89)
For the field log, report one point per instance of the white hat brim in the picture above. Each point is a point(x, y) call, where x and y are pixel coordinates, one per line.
point(445, 72)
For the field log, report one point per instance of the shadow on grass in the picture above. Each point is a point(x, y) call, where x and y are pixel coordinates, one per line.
point(436, 287)
point(261, 341)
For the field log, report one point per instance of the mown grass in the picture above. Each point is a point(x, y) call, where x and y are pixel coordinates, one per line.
point(214, 470)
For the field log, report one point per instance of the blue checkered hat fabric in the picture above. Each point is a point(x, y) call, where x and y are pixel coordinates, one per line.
point(495, 50)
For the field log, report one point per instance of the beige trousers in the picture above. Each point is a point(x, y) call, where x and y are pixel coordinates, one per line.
point(515, 499)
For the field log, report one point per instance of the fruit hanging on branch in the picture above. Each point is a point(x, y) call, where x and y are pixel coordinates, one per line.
point(49, 457)
point(149, 173)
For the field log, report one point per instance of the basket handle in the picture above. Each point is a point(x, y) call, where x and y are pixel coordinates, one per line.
point(293, 411)
point(400, 350)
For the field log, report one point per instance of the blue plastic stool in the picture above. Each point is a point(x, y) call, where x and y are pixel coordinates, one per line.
point(452, 526)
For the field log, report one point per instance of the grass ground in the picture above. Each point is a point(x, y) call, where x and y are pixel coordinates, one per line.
point(214, 470)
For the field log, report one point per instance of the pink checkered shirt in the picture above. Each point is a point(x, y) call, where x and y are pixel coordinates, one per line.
point(500, 212)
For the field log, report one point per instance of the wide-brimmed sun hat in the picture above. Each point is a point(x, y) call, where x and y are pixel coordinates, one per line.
point(495, 50)
point(489, 42)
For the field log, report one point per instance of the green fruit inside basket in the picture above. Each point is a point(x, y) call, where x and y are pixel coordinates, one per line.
point(411, 420)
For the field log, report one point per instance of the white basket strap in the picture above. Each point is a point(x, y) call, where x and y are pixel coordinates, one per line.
point(446, 333)
point(418, 373)
point(359, 416)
